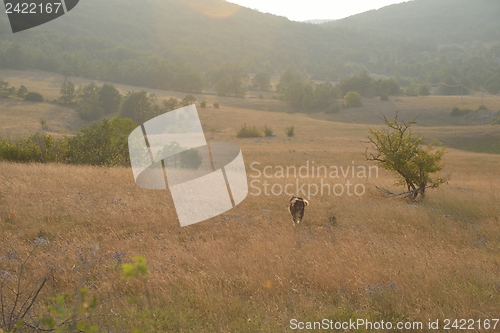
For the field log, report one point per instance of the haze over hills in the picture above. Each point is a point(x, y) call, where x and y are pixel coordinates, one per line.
point(439, 22)
point(122, 40)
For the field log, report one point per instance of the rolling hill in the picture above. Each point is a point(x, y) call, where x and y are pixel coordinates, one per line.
point(206, 34)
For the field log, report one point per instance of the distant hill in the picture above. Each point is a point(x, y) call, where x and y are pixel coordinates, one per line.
point(131, 41)
point(434, 21)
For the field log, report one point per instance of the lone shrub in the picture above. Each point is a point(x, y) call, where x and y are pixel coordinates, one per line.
point(203, 104)
point(216, 105)
point(190, 159)
point(246, 131)
point(395, 149)
point(268, 131)
point(353, 99)
point(290, 131)
point(33, 97)
point(43, 122)
point(456, 112)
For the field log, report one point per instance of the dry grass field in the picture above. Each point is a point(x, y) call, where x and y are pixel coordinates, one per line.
point(250, 269)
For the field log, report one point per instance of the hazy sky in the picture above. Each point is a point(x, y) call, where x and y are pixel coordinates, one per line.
point(301, 10)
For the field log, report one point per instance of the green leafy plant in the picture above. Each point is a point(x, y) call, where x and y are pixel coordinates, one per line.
point(22, 91)
point(246, 131)
point(33, 97)
point(70, 313)
point(268, 131)
point(456, 112)
point(43, 123)
point(353, 99)
point(395, 149)
point(137, 269)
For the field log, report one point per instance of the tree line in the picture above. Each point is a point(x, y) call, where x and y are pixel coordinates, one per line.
point(93, 102)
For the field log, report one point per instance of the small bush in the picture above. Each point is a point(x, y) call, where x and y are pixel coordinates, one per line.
point(216, 105)
point(33, 97)
point(246, 131)
point(190, 159)
point(334, 108)
point(353, 99)
point(188, 100)
point(268, 131)
point(384, 97)
point(43, 122)
point(290, 131)
point(481, 107)
point(22, 91)
point(261, 96)
point(203, 104)
point(436, 143)
point(456, 112)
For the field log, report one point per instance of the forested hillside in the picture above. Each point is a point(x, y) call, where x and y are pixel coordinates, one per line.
point(177, 45)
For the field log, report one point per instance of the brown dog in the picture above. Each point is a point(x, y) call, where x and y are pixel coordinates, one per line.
point(296, 208)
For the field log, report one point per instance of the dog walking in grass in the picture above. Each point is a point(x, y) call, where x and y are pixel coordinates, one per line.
point(296, 208)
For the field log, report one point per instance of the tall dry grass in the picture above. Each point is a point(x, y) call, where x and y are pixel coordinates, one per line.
point(250, 270)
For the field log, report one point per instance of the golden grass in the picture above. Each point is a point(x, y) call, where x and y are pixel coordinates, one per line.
point(22, 119)
point(250, 269)
point(430, 110)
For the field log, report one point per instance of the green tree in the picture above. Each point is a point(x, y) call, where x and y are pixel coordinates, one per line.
point(109, 98)
point(300, 95)
point(395, 149)
point(262, 81)
point(324, 95)
point(170, 104)
point(88, 105)
point(65, 70)
point(103, 143)
point(67, 92)
point(424, 90)
point(187, 78)
point(139, 106)
point(22, 91)
point(231, 86)
point(363, 84)
point(188, 100)
point(6, 90)
point(353, 99)
point(230, 80)
point(33, 97)
point(389, 87)
point(288, 76)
